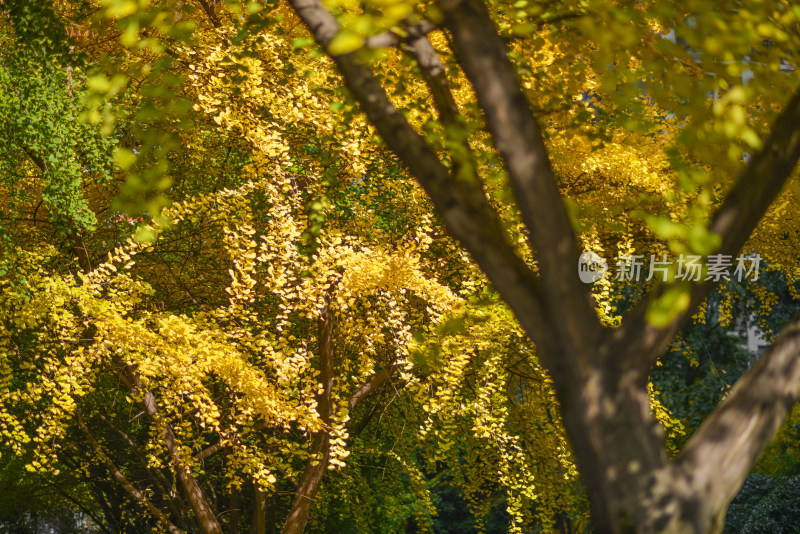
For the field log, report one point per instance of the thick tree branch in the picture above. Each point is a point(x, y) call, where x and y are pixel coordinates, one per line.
point(744, 423)
point(357, 428)
point(79, 247)
point(390, 39)
point(713, 465)
point(213, 449)
point(482, 54)
point(761, 182)
point(235, 510)
point(436, 78)
point(371, 386)
point(259, 520)
point(210, 13)
point(320, 444)
point(194, 493)
point(200, 504)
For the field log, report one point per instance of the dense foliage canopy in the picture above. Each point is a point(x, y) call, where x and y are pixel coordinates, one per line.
point(294, 266)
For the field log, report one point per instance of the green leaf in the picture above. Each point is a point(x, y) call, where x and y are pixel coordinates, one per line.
point(121, 8)
point(703, 241)
point(752, 139)
point(345, 42)
point(664, 309)
point(145, 234)
point(124, 158)
point(302, 42)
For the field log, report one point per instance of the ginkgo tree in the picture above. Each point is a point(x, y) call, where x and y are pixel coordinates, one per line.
point(298, 313)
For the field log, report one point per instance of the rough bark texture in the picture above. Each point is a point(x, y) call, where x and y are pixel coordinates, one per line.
point(600, 374)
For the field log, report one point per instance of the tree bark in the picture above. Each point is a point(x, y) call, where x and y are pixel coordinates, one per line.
point(203, 511)
point(259, 523)
point(235, 511)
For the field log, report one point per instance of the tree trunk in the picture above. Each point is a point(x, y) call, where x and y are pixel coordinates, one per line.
point(258, 524)
point(235, 512)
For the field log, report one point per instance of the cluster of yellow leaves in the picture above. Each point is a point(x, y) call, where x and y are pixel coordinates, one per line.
point(258, 349)
point(261, 90)
point(486, 400)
